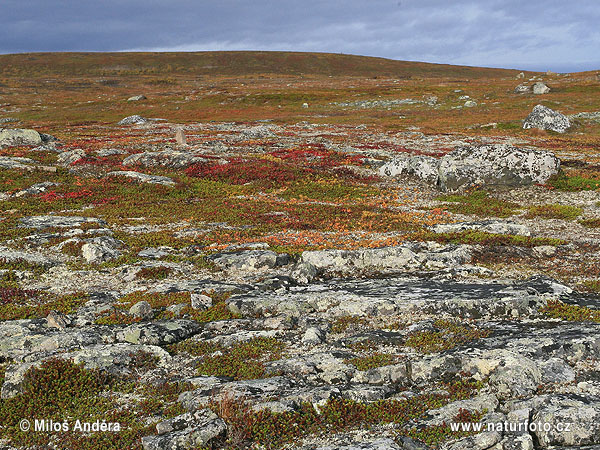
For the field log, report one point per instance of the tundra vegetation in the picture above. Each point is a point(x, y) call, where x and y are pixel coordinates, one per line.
point(264, 281)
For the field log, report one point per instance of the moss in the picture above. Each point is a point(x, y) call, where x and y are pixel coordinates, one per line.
point(72, 248)
point(565, 182)
point(16, 303)
point(341, 324)
point(590, 286)
point(564, 212)
point(154, 273)
point(479, 203)
point(483, 238)
point(371, 361)
point(590, 223)
point(449, 334)
point(435, 435)
point(60, 390)
point(572, 313)
point(267, 429)
point(243, 361)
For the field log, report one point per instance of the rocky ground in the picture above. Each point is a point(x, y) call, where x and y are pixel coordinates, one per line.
point(302, 285)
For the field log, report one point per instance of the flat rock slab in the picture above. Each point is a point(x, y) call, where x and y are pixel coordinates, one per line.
point(487, 226)
point(13, 162)
point(159, 333)
point(167, 158)
point(58, 221)
point(371, 297)
point(38, 259)
point(142, 177)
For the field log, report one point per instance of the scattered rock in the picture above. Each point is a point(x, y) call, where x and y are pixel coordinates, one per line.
point(17, 136)
point(523, 88)
point(142, 310)
point(13, 162)
point(180, 137)
point(545, 118)
point(133, 120)
point(58, 221)
point(488, 226)
point(495, 165)
point(540, 88)
point(186, 431)
point(142, 177)
point(67, 158)
point(135, 98)
point(101, 249)
point(470, 103)
point(167, 158)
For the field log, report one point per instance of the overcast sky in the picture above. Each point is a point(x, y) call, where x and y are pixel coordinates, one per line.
point(556, 35)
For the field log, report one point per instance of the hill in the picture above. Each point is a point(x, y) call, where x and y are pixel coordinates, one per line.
point(231, 63)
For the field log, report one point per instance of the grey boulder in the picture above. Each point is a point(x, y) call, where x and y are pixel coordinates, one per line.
point(18, 136)
point(545, 118)
point(495, 164)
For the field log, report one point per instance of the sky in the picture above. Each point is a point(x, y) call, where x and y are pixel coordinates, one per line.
point(557, 35)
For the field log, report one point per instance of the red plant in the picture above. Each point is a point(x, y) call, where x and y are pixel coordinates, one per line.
point(240, 171)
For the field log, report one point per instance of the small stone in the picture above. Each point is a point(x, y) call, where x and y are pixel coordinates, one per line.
point(305, 105)
point(57, 320)
point(470, 103)
point(522, 88)
point(142, 177)
point(136, 98)
point(131, 120)
point(313, 336)
point(180, 137)
point(142, 310)
point(520, 76)
point(201, 301)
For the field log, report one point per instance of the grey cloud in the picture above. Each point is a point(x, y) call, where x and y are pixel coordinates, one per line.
point(538, 34)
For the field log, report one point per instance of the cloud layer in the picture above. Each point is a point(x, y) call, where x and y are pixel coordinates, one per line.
point(538, 35)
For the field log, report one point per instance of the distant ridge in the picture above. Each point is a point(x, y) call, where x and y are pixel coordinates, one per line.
point(231, 63)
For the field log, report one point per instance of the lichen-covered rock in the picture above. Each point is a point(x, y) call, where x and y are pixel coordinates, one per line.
point(540, 88)
point(494, 165)
point(37, 259)
point(131, 120)
point(247, 260)
point(101, 249)
point(118, 359)
point(14, 162)
point(160, 332)
point(18, 136)
point(580, 413)
point(522, 88)
point(423, 167)
point(67, 158)
point(545, 118)
point(166, 158)
point(142, 177)
point(186, 431)
point(488, 226)
point(58, 221)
